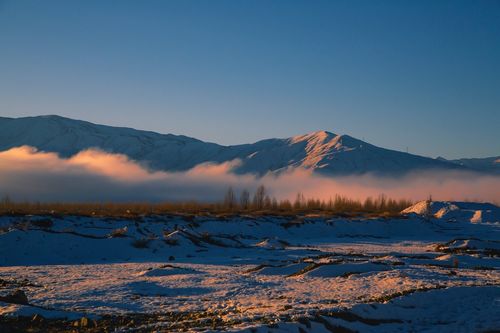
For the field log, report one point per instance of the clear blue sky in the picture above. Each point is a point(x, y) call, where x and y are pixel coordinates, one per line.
point(417, 74)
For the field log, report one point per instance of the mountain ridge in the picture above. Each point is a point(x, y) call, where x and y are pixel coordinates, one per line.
point(322, 151)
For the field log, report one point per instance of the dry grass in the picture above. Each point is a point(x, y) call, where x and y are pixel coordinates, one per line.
point(263, 205)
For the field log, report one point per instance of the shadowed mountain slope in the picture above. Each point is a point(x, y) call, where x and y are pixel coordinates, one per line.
point(322, 151)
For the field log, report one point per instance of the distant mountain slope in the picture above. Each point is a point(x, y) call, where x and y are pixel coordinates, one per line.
point(328, 153)
point(321, 151)
point(488, 164)
point(67, 137)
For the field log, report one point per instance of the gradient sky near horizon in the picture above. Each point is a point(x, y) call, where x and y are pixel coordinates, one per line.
point(418, 74)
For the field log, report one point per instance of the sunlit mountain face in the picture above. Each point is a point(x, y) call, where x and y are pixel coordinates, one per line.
point(322, 152)
point(51, 158)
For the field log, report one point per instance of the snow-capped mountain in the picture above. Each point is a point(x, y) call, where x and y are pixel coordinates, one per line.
point(487, 164)
point(321, 151)
point(67, 137)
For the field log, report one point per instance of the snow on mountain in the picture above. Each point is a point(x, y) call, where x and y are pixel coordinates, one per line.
point(322, 151)
point(67, 137)
point(487, 164)
point(328, 153)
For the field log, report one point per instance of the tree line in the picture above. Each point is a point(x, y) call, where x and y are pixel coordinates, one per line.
point(258, 202)
point(261, 200)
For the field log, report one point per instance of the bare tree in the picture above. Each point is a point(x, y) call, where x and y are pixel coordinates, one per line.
point(230, 199)
point(274, 204)
point(299, 201)
point(382, 202)
point(245, 199)
point(369, 205)
point(258, 198)
point(267, 202)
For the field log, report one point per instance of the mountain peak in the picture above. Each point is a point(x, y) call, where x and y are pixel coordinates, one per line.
point(318, 136)
point(321, 151)
point(52, 116)
point(322, 133)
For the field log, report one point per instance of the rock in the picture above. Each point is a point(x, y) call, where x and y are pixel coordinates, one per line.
point(120, 232)
point(17, 297)
point(171, 258)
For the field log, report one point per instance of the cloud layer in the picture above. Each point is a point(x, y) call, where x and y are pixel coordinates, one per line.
point(93, 175)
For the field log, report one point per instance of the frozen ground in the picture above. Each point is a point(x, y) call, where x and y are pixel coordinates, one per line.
point(434, 270)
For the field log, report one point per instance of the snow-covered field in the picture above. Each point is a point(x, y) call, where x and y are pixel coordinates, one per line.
point(432, 270)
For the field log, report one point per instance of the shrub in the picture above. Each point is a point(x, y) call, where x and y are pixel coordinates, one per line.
point(141, 243)
point(171, 241)
point(42, 223)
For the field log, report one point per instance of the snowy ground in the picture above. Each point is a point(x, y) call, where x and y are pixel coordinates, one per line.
point(435, 273)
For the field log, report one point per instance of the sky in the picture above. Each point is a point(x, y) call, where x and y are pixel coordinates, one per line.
point(416, 75)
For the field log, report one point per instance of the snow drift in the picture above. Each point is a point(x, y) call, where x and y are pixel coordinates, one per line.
point(468, 211)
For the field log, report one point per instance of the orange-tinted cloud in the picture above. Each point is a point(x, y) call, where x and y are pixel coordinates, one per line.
point(94, 175)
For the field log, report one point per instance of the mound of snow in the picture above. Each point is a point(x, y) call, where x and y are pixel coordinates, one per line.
point(474, 244)
point(346, 269)
point(272, 243)
point(19, 310)
point(166, 271)
point(283, 270)
point(460, 211)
